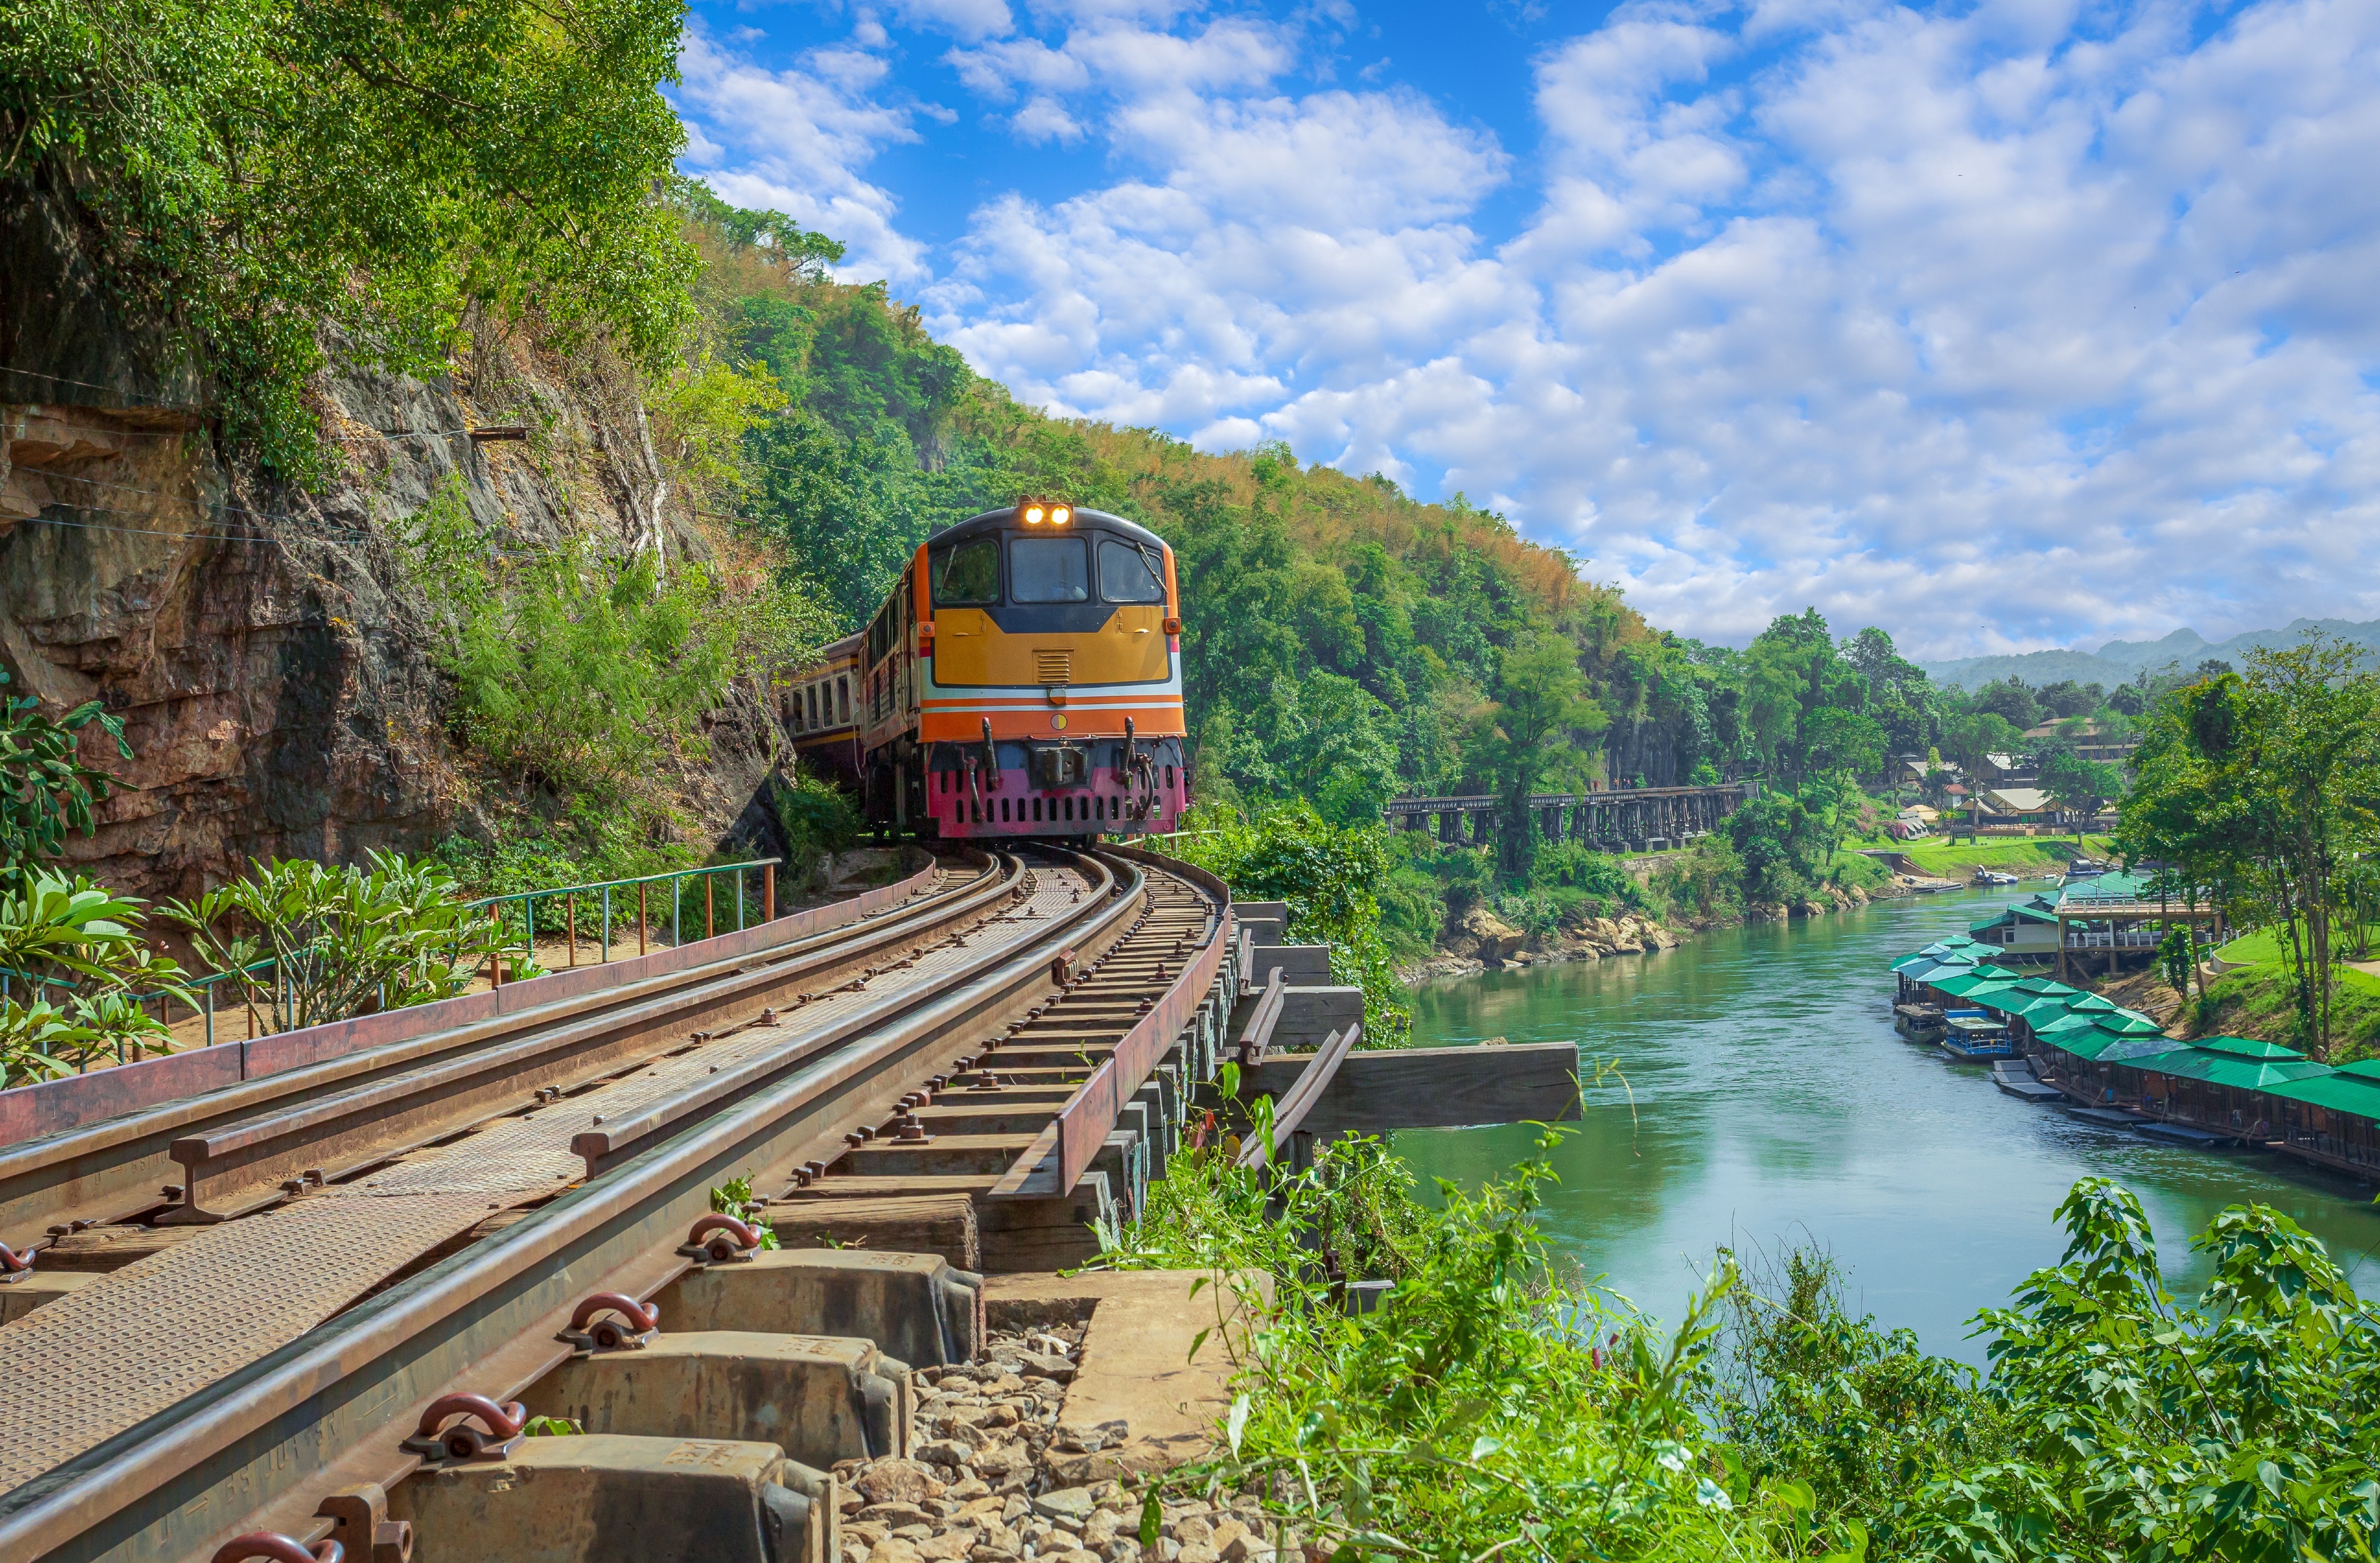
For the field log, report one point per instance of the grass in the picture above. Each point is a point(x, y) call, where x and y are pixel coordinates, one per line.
point(2259, 1001)
point(1947, 860)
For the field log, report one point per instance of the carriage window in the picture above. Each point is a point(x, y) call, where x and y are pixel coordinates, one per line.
point(1048, 570)
point(967, 574)
point(1129, 573)
point(843, 697)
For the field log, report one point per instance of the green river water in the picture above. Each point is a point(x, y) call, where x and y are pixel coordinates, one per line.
point(1774, 1103)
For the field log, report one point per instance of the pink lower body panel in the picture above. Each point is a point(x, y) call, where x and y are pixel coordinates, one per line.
point(966, 804)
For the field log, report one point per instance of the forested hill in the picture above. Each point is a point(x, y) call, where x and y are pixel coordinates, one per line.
point(1345, 642)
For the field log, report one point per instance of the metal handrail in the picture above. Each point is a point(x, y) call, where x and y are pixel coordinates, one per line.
point(602, 889)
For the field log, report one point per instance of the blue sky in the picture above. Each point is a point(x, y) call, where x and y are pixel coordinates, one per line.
point(2004, 324)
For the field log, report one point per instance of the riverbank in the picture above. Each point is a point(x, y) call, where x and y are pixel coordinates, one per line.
point(1482, 940)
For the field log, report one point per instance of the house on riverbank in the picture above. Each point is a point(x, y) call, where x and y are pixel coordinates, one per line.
point(2121, 1067)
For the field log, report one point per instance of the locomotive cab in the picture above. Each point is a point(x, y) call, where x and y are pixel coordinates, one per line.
point(1040, 692)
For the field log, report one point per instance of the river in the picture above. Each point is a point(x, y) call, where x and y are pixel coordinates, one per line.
point(1774, 1103)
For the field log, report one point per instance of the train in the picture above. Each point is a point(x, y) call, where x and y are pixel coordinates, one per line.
point(1023, 678)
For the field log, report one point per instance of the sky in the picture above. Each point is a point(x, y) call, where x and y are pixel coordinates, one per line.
point(2005, 324)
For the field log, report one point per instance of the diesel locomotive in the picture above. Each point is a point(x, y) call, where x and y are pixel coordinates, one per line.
point(1023, 679)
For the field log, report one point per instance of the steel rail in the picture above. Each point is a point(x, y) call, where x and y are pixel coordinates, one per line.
point(90, 1172)
point(438, 1098)
point(327, 1409)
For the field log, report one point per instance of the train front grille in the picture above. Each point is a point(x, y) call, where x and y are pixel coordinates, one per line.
point(1054, 667)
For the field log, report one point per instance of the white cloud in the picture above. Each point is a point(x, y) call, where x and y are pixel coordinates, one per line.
point(795, 140)
point(2015, 325)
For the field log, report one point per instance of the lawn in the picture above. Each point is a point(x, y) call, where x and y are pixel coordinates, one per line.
point(2024, 855)
point(2258, 1002)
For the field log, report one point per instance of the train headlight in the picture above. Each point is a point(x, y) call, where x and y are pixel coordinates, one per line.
point(1060, 514)
point(1033, 513)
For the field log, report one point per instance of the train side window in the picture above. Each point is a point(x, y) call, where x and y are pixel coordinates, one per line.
point(843, 697)
point(1048, 570)
point(1130, 574)
point(966, 575)
point(797, 712)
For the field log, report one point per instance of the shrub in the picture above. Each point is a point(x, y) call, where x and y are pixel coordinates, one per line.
point(78, 957)
point(818, 817)
point(344, 941)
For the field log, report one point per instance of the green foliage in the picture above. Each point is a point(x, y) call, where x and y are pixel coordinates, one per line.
point(259, 171)
point(341, 940)
point(1488, 1408)
point(579, 671)
point(45, 790)
point(2241, 1425)
point(735, 1197)
point(77, 957)
point(1859, 1416)
point(1483, 1409)
point(818, 817)
point(1327, 874)
point(2263, 794)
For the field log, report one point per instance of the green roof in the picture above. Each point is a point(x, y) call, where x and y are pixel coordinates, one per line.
point(2246, 1048)
point(2351, 1088)
point(2001, 996)
point(2104, 886)
point(2130, 1022)
point(1994, 920)
point(2050, 985)
point(2091, 1004)
point(1965, 981)
point(2043, 1009)
point(2070, 1022)
point(2189, 1063)
point(2110, 1047)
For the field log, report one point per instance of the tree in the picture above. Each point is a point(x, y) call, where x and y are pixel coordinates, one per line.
point(2273, 778)
point(2077, 782)
point(375, 166)
point(2011, 701)
point(2067, 698)
point(1540, 696)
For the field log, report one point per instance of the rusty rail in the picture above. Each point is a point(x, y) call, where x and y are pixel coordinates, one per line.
point(254, 1451)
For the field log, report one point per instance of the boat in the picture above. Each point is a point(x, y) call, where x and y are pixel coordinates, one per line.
point(2017, 1079)
point(2084, 869)
point(1918, 1022)
point(1974, 1035)
point(1992, 877)
point(2106, 1116)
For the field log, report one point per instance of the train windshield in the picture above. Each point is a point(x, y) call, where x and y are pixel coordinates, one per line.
point(967, 576)
point(1130, 572)
point(1048, 570)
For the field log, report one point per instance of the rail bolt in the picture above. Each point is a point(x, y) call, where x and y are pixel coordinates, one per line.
point(592, 1330)
point(15, 1266)
point(498, 1435)
point(815, 1168)
point(278, 1548)
point(720, 1239)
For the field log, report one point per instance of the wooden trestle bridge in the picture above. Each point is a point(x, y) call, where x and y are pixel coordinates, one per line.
point(1630, 818)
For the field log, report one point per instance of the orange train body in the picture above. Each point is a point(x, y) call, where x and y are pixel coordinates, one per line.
point(1023, 679)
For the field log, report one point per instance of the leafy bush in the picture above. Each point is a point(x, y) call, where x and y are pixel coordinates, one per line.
point(45, 790)
point(1412, 912)
point(1489, 1409)
point(342, 940)
point(818, 817)
point(1703, 884)
point(1326, 873)
point(1483, 1409)
point(77, 955)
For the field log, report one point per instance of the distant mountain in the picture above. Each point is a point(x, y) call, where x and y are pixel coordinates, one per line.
point(2118, 660)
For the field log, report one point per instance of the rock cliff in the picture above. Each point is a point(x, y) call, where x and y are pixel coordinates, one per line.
point(261, 642)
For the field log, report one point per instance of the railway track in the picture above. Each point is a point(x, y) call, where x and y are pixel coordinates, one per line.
point(351, 1244)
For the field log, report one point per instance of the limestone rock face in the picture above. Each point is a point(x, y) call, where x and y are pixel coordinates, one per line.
point(268, 654)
